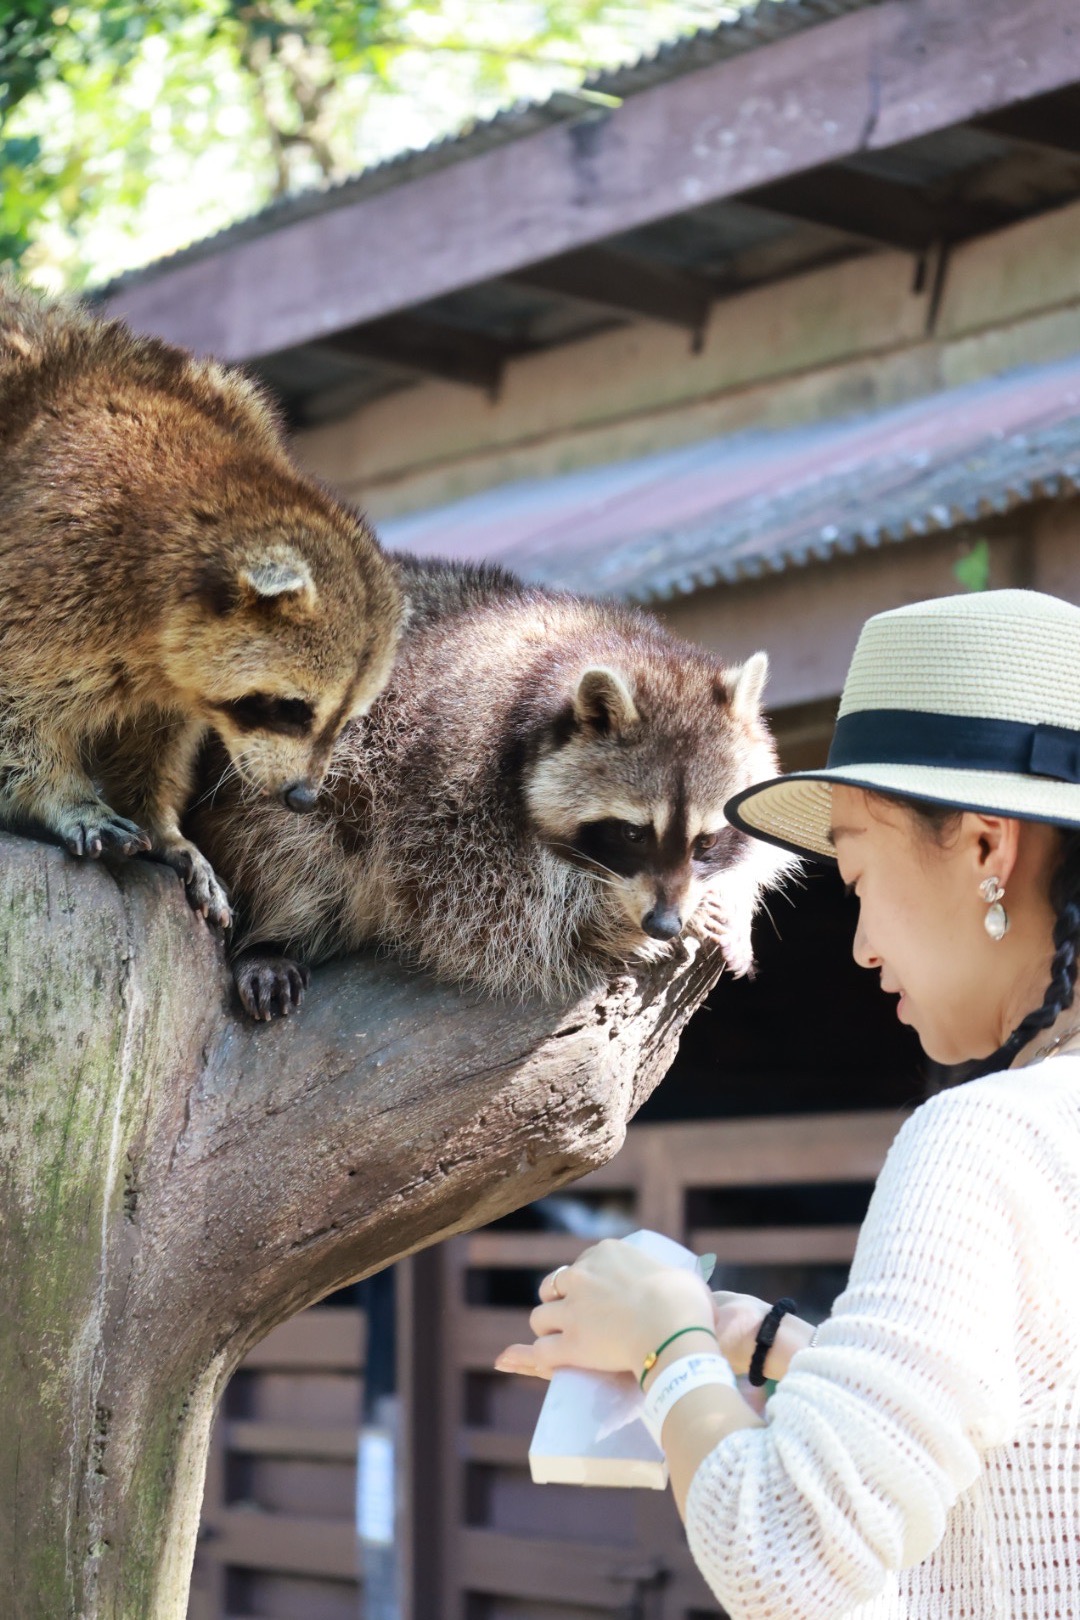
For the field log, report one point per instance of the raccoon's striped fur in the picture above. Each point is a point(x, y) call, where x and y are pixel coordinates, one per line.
point(536, 798)
point(164, 569)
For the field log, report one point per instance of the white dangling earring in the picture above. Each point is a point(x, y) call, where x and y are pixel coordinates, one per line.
point(996, 921)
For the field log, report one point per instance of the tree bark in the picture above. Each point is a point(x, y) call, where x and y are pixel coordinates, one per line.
point(176, 1181)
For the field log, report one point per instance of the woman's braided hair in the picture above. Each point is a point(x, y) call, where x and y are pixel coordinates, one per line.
point(1065, 899)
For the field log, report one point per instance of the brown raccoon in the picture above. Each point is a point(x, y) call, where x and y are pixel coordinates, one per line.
point(536, 798)
point(164, 570)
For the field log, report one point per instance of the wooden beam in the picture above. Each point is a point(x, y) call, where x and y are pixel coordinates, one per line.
point(875, 209)
point(623, 283)
point(870, 79)
point(1051, 122)
point(313, 1442)
point(419, 347)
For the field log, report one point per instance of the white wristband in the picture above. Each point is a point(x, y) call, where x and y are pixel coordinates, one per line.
point(670, 1385)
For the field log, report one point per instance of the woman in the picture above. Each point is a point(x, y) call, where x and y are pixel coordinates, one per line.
point(920, 1457)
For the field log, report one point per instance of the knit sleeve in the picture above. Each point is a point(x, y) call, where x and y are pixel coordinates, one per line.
point(880, 1423)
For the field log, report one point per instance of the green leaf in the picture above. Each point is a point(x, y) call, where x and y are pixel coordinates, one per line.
point(972, 570)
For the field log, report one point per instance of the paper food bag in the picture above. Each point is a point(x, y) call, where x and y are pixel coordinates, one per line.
point(590, 1431)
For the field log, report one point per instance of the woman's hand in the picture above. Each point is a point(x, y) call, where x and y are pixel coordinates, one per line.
point(737, 1318)
point(607, 1312)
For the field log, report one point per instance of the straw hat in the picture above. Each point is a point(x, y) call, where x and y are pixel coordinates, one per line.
point(972, 701)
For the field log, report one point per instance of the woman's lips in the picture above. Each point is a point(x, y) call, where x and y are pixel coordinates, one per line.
point(895, 990)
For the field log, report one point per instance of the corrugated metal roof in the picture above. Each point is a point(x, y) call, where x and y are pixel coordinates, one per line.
point(758, 23)
point(741, 29)
point(763, 501)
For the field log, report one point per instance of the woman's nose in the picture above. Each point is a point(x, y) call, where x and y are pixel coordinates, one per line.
point(861, 951)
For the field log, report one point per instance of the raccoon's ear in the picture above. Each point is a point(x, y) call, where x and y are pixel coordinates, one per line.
point(603, 701)
point(281, 576)
point(742, 688)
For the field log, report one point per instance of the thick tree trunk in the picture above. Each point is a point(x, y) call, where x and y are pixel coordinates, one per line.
point(176, 1181)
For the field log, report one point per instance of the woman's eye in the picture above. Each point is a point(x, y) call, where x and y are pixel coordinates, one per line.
point(632, 833)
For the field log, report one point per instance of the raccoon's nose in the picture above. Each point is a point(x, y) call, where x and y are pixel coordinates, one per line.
point(662, 922)
point(300, 796)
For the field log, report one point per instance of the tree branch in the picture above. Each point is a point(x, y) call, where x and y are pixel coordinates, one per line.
point(177, 1180)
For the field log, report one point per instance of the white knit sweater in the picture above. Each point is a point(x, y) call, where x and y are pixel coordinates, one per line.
point(921, 1459)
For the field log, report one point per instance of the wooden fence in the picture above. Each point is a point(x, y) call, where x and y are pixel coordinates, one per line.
point(278, 1535)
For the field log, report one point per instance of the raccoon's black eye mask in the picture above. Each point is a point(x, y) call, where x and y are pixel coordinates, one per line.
point(260, 711)
point(627, 848)
point(712, 852)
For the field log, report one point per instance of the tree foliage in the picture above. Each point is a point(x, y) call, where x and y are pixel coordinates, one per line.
point(127, 128)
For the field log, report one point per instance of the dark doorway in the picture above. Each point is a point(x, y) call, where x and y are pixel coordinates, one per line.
point(812, 1032)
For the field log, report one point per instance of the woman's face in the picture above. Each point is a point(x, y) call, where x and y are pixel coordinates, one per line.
point(921, 918)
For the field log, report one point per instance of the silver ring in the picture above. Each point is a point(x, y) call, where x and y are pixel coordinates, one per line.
point(555, 1275)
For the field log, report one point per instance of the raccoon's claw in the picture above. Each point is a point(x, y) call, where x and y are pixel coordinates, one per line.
point(205, 893)
point(715, 924)
point(270, 984)
point(92, 830)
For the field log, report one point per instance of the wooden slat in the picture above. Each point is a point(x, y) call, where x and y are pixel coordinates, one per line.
point(539, 1250)
point(551, 1571)
point(776, 1245)
point(290, 1440)
point(326, 1340)
point(884, 74)
point(491, 1446)
point(483, 1332)
point(756, 1152)
point(290, 1546)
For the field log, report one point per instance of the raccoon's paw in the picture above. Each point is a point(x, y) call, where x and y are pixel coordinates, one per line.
point(205, 893)
point(268, 985)
point(719, 923)
point(92, 829)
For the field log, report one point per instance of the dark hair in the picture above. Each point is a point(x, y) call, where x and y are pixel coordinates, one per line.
point(1065, 899)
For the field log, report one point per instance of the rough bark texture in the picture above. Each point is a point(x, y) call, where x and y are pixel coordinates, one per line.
point(176, 1181)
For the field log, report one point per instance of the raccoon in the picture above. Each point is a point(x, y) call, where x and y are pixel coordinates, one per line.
point(536, 798)
point(165, 571)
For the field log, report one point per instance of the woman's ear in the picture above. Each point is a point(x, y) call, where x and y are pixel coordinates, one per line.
point(997, 843)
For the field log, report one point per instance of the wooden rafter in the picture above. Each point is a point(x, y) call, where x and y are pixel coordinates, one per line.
point(624, 284)
point(1052, 122)
point(419, 347)
point(874, 209)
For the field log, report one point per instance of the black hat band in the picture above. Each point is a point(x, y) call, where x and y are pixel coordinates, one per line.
point(957, 742)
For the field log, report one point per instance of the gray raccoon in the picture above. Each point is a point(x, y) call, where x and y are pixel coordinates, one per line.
point(535, 799)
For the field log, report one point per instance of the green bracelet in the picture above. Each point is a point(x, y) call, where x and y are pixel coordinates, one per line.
point(654, 1355)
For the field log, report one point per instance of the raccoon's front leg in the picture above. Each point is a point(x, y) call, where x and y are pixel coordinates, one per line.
point(43, 783)
point(161, 769)
point(726, 912)
point(269, 982)
point(724, 917)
